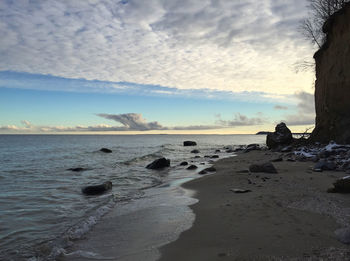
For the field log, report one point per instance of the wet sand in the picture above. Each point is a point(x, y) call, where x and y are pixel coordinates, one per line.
point(286, 216)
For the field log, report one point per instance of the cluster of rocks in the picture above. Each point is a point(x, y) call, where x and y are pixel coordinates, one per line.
point(331, 157)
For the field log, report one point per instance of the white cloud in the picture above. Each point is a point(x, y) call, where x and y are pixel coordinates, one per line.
point(280, 107)
point(305, 114)
point(224, 45)
point(242, 120)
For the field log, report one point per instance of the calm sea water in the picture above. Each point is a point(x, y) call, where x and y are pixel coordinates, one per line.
point(41, 204)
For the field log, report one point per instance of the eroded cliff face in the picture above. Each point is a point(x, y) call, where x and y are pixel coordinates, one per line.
point(332, 88)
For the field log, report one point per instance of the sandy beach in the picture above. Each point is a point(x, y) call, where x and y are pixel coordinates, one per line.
point(286, 216)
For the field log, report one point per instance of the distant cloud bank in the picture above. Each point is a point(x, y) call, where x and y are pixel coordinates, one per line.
point(133, 122)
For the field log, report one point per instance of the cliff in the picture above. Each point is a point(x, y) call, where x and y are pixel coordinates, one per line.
point(332, 87)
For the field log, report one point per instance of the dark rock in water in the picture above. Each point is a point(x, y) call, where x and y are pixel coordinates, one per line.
point(197, 157)
point(192, 167)
point(159, 164)
point(341, 185)
point(217, 151)
point(205, 171)
point(184, 163)
point(97, 189)
point(105, 150)
point(230, 150)
point(281, 137)
point(240, 191)
point(267, 167)
point(77, 169)
point(343, 235)
point(324, 165)
point(190, 143)
point(195, 151)
point(214, 157)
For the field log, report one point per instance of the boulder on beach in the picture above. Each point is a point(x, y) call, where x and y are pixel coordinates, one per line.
point(341, 185)
point(105, 150)
point(97, 189)
point(280, 138)
point(192, 167)
point(159, 164)
point(324, 165)
point(267, 167)
point(190, 143)
point(214, 156)
point(251, 147)
point(184, 163)
point(195, 151)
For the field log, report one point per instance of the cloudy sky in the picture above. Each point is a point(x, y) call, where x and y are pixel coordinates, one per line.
point(155, 66)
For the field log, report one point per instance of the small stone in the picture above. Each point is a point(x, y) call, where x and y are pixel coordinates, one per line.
point(240, 191)
point(267, 167)
point(277, 159)
point(184, 163)
point(343, 235)
point(105, 150)
point(195, 151)
point(192, 167)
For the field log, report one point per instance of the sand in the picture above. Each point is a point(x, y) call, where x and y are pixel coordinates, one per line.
point(289, 216)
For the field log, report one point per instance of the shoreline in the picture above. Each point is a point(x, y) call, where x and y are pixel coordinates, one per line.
point(288, 215)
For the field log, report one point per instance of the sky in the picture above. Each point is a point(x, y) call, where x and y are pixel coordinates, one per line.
point(156, 66)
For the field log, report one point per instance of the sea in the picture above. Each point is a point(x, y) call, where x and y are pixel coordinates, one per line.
point(42, 208)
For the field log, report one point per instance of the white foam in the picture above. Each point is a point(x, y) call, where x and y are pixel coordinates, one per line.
point(83, 227)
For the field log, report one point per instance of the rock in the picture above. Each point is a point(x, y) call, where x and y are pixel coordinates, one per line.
point(229, 150)
point(240, 191)
point(190, 143)
point(184, 163)
point(341, 185)
point(287, 149)
point(205, 171)
point(217, 151)
point(281, 137)
point(105, 150)
point(97, 189)
point(267, 167)
point(195, 151)
point(214, 157)
point(192, 167)
point(202, 172)
point(277, 159)
point(343, 235)
point(197, 157)
point(159, 164)
point(211, 169)
point(251, 147)
point(77, 169)
point(324, 165)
